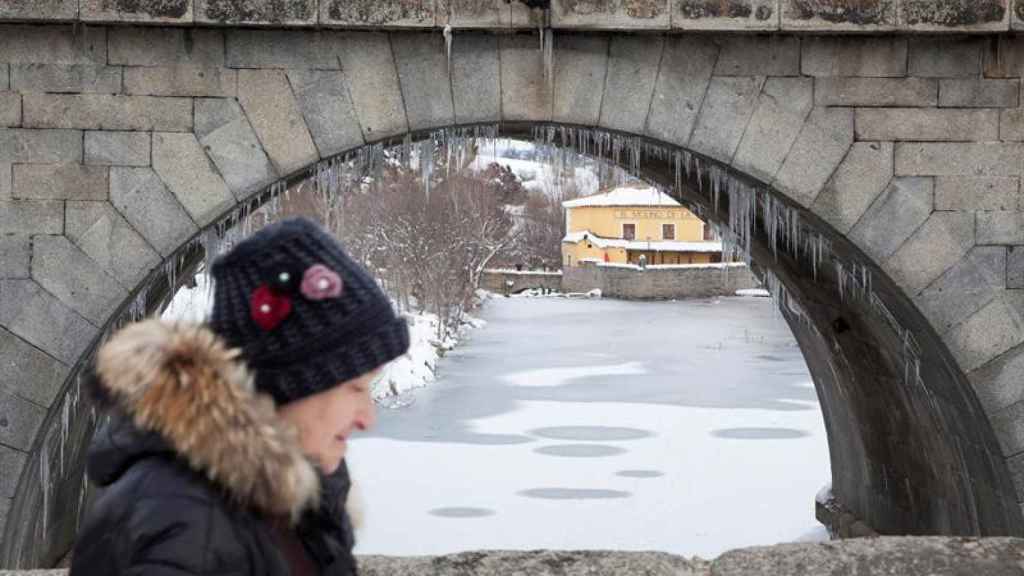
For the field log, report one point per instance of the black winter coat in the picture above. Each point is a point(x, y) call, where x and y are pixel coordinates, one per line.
point(194, 463)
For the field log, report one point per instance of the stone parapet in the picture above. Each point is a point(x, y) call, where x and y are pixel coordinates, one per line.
point(904, 556)
point(814, 16)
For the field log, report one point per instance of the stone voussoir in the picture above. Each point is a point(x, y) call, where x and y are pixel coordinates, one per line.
point(943, 239)
point(632, 71)
point(476, 79)
point(75, 279)
point(190, 176)
point(227, 137)
point(965, 288)
point(581, 64)
point(423, 74)
point(106, 237)
point(327, 108)
point(144, 201)
point(686, 67)
point(271, 109)
point(44, 321)
point(33, 375)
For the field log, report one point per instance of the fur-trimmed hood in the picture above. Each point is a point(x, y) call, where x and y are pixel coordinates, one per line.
point(185, 392)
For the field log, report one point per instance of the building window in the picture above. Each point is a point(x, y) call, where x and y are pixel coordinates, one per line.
point(668, 231)
point(709, 232)
point(629, 231)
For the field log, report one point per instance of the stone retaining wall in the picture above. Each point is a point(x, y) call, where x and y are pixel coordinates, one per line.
point(657, 282)
point(515, 281)
point(862, 557)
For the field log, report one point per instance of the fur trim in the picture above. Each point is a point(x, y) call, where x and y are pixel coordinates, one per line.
point(183, 382)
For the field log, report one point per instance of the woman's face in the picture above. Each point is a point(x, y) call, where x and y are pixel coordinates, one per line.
point(326, 420)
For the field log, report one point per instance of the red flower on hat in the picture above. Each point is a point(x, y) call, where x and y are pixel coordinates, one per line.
point(320, 282)
point(267, 308)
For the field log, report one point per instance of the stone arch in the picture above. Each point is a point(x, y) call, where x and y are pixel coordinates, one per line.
point(106, 189)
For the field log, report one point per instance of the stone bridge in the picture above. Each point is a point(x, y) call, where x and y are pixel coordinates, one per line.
point(873, 179)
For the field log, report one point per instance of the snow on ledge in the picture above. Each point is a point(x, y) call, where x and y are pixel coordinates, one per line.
point(524, 272)
point(707, 266)
point(625, 196)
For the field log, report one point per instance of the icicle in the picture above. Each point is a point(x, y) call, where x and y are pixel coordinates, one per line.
point(45, 482)
point(548, 48)
point(448, 46)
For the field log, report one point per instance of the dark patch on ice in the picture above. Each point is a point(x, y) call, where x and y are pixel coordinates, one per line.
point(461, 512)
point(580, 450)
point(759, 433)
point(770, 358)
point(640, 473)
point(573, 493)
point(591, 433)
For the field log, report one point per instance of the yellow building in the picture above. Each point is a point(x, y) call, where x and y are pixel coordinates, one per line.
point(635, 224)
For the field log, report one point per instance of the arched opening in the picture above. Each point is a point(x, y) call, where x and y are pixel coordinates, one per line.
point(911, 449)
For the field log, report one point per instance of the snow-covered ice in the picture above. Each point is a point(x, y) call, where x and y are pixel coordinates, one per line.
point(690, 427)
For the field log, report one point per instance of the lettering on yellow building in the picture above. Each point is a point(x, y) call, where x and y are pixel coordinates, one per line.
point(650, 214)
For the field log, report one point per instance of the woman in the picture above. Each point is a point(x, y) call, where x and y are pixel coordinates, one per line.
point(225, 452)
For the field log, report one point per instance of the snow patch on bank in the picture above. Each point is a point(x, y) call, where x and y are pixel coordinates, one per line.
point(417, 367)
point(414, 369)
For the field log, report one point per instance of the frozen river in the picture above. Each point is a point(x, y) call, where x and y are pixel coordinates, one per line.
point(686, 427)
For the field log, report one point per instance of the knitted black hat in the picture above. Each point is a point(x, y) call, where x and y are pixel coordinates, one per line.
point(305, 315)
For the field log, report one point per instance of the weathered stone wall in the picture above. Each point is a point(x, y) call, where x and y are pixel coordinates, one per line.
point(718, 15)
point(118, 144)
point(657, 282)
point(861, 557)
point(513, 281)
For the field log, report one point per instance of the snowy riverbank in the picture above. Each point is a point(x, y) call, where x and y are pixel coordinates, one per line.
point(415, 369)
